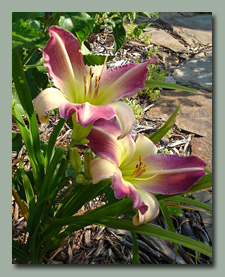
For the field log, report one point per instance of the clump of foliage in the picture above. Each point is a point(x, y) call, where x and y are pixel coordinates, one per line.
point(175, 211)
point(134, 32)
point(137, 109)
point(166, 151)
point(154, 73)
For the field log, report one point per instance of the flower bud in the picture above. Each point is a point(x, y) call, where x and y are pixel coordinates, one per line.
point(80, 178)
point(88, 157)
point(75, 159)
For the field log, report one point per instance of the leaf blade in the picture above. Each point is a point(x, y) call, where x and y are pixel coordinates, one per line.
point(161, 84)
point(165, 128)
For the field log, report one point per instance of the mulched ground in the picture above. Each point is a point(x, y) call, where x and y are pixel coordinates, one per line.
point(99, 245)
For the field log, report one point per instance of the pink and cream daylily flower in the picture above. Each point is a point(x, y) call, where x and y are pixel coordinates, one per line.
point(137, 171)
point(87, 93)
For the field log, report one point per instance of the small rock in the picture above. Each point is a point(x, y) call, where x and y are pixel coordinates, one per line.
point(162, 38)
point(197, 72)
point(195, 114)
point(202, 148)
point(173, 60)
point(170, 79)
point(205, 197)
point(194, 31)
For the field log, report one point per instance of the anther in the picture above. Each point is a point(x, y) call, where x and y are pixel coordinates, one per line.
point(85, 92)
point(139, 169)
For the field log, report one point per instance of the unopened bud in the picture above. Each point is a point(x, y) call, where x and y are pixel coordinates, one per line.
point(88, 157)
point(80, 178)
point(75, 159)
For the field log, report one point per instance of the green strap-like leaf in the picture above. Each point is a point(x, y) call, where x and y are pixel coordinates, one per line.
point(169, 222)
point(196, 203)
point(25, 133)
point(165, 128)
point(115, 209)
point(19, 253)
point(57, 159)
point(52, 141)
point(23, 92)
point(21, 85)
point(204, 183)
point(16, 142)
point(79, 197)
point(27, 187)
point(146, 229)
point(161, 84)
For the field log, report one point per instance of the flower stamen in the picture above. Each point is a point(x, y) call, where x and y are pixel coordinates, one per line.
point(90, 85)
point(139, 169)
point(85, 87)
point(99, 78)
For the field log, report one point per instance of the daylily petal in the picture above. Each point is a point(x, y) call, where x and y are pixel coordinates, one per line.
point(123, 188)
point(106, 145)
point(154, 60)
point(122, 81)
point(48, 99)
point(64, 62)
point(96, 70)
point(127, 150)
point(110, 126)
point(101, 169)
point(170, 174)
point(86, 113)
point(144, 147)
point(124, 116)
point(151, 213)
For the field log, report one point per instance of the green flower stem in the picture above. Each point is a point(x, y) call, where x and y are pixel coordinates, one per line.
point(135, 249)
